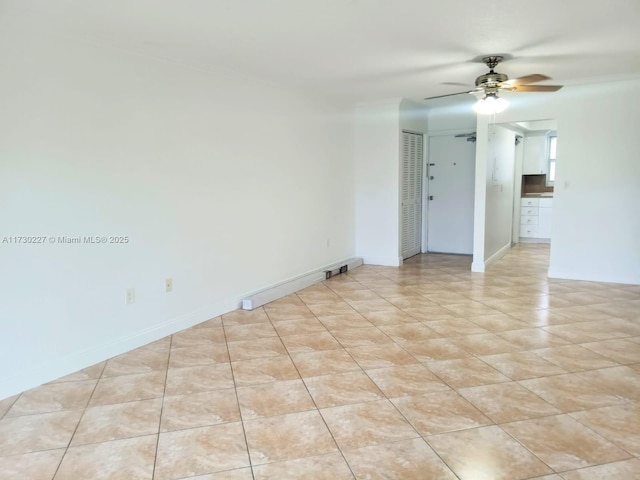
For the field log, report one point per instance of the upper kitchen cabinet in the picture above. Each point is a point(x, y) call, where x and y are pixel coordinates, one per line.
point(535, 154)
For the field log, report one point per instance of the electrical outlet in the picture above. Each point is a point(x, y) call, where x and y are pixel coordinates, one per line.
point(130, 296)
point(168, 285)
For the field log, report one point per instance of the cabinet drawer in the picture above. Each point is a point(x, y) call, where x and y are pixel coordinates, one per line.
point(528, 219)
point(528, 211)
point(529, 202)
point(529, 230)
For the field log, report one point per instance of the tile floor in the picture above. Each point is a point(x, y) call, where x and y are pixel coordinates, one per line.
point(422, 372)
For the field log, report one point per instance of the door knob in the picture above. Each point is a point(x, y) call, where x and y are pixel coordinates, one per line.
point(430, 197)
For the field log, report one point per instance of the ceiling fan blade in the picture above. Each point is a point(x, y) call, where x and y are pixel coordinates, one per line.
point(457, 84)
point(537, 88)
point(535, 77)
point(448, 95)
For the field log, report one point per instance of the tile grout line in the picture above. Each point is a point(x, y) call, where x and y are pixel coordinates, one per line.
point(235, 388)
point(164, 393)
point(75, 430)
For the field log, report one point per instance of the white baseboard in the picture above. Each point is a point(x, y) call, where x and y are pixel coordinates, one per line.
point(534, 240)
point(27, 378)
point(292, 285)
point(590, 277)
point(498, 255)
point(384, 261)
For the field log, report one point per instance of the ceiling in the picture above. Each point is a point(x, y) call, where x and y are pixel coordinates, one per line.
point(359, 49)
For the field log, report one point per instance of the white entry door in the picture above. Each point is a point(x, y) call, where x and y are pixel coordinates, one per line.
point(451, 175)
point(411, 194)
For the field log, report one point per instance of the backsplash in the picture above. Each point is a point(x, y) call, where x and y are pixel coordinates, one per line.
point(535, 184)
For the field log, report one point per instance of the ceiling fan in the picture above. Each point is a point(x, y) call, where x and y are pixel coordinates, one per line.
point(493, 82)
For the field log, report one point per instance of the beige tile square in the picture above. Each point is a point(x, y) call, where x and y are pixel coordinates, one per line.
point(141, 360)
point(122, 420)
point(522, 365)
point(434, 349)
point(299, 327)
point(365, 424)
point(409, 332)
point(7, 403)
point(198, 355)
point(278, 312)
point(264, 370)
point(455, 327)
point(498, 322)
point(575, 358)
point(235, 474)
point(484, 344)
point(33, 433)
point(325, 362)
point(197, 451)
point(180, 412)
point(128, 388)
point(128, 459)
point(389, 318)
point(310, 342)
point(89, 373)
point(380, 356)
point(356, 337)
point(250, 331)
point(325, 308)
point(204, 378)
point(583, 332)
point(625, 469)
point(466, 372)
point(406, 460)
point(32, 466)
point(244, 317)
point(323, 467)
point(619, 424)
point(257, 348)
point(564, 444)
point(571, 393)
point(53, 398)
point(507, 402)
point(285, 437)
point(276, 398)
point(440, 412)
point(406, 380)
point(532, 338)
point(623, 382)
point(198, 336)
point(486, 452)
point(620, 350)
point(350, 320)
point(342, 389)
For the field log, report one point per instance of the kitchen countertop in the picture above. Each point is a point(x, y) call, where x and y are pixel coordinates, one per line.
point(534, 195)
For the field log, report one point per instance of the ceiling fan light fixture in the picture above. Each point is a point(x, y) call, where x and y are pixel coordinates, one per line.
point(490, 104)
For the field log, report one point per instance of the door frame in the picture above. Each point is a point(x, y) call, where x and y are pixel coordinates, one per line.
point(425, 173)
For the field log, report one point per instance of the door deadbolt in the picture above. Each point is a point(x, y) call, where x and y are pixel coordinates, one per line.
point(430, 197)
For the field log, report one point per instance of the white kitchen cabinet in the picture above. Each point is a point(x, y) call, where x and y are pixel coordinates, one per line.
point(535, 155)
point(544, 217)
point(535, 218)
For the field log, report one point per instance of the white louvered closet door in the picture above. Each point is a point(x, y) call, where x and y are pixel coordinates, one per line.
point(411, 195)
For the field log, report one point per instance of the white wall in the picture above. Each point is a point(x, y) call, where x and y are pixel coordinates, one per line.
point(499, 184)
point(378, 128)
point(223, 183)
point(595, 222)
point(377, 146)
